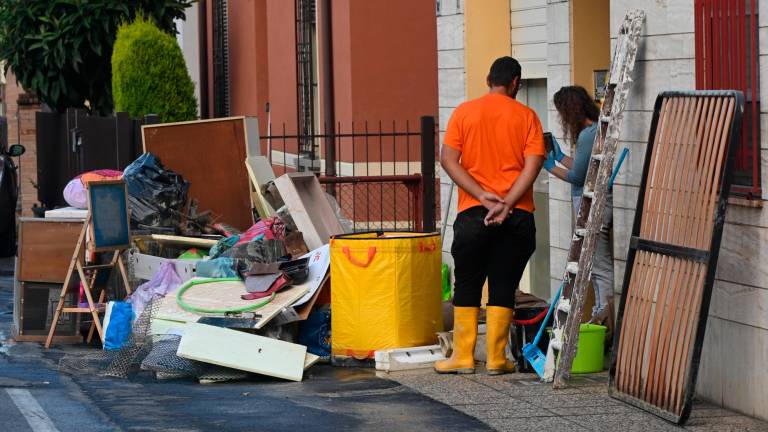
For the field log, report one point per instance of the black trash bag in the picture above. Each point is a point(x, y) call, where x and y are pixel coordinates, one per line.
point(156, 195)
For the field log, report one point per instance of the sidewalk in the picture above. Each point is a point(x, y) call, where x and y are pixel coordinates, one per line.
point(520, 402)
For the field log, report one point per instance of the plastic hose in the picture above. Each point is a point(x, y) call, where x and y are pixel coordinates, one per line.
point(192, 282)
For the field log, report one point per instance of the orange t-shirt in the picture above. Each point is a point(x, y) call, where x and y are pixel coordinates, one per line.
point(494, 134)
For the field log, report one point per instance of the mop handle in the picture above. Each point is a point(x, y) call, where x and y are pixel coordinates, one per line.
point(623, 155)
point(546, 318)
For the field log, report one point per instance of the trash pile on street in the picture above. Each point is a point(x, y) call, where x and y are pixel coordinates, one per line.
point(214, 300)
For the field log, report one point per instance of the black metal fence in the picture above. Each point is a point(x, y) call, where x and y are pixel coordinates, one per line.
point(382, 175)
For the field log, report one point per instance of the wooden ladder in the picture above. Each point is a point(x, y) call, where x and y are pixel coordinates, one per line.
point(590, 215)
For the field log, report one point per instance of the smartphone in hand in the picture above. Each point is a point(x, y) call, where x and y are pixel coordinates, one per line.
point(548, 146)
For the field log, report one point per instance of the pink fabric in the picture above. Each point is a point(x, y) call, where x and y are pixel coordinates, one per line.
point(272, 228)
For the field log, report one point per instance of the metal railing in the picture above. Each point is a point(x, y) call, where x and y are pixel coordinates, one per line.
point(382, 175)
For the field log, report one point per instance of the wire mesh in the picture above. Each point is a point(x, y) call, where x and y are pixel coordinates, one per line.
point(121, 362)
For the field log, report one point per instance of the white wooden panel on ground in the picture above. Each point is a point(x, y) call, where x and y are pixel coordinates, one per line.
point(243, 351)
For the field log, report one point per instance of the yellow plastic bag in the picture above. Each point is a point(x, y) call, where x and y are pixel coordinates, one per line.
point(385, 292)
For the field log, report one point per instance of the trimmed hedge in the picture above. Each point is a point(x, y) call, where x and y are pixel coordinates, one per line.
point(149, 75)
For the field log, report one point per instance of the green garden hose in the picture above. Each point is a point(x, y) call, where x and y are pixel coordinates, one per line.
point(192, 282)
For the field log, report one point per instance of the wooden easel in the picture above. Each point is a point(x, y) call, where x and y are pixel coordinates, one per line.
point(93, 308)
point(96, 221)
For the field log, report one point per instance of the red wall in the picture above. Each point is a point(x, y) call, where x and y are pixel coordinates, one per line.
point(384, 64)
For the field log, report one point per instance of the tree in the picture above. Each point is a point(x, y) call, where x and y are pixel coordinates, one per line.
point(62, 49)
point(149, 75)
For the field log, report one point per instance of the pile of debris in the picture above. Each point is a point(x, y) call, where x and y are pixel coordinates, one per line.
point(232, 268)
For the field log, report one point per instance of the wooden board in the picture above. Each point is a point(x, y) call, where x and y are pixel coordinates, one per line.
point(210, 155)
point(309, 360)
point(260, 173)
point(309, 208)
point(67, 213)
point(187, 242)
point(46, 248)
point(226, 294)
point(673, 251)
point(243, 351)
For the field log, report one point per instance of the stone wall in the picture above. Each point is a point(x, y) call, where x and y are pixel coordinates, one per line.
point(558, 75)
point(451, 87)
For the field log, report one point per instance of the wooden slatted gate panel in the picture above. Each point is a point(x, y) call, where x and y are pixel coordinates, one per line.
point(673, 250)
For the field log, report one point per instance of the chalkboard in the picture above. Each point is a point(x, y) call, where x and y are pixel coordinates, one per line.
point(108, 209)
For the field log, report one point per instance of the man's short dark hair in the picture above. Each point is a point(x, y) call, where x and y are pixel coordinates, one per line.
point(503, 71)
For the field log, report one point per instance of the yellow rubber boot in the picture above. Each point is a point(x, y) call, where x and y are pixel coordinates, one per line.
point(462, 360)
point(497, 324)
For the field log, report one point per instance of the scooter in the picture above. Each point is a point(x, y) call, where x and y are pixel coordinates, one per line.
point(9, 195)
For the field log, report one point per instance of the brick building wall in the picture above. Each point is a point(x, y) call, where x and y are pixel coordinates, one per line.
point(20, 110)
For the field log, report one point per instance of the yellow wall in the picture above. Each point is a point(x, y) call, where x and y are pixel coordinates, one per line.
point(590, 40)
point(486, 38)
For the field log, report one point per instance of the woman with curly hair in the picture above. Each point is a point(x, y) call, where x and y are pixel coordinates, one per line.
point(579, 119)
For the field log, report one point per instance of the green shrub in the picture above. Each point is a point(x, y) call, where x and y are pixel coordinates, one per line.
point(149, 75)
point(61, 49)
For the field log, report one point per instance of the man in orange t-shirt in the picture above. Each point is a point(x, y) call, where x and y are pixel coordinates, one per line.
point(493, 150)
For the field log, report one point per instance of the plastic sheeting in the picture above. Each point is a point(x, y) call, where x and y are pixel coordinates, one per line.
point(216, 268)
point(164, 282)
point(117, 324)
point(385, 292)
point(156, 195)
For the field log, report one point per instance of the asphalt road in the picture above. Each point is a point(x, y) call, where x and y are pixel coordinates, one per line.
point(34, 396)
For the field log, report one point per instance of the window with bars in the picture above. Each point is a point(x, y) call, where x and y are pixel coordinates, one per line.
point(726, 37)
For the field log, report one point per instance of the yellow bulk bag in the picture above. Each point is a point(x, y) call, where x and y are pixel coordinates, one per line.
point(385, 292)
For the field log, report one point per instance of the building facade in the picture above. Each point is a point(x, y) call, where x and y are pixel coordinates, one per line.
point(577, 48)
point(314, 65)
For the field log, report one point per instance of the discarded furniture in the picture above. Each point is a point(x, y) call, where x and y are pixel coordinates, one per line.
point(46, 247)
point(210, 154)
point(260, 173)
point(243, 351)
point(309, 208)
point(385, 292)
point(108, 227)
point(673, 250)
point(589, 219)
